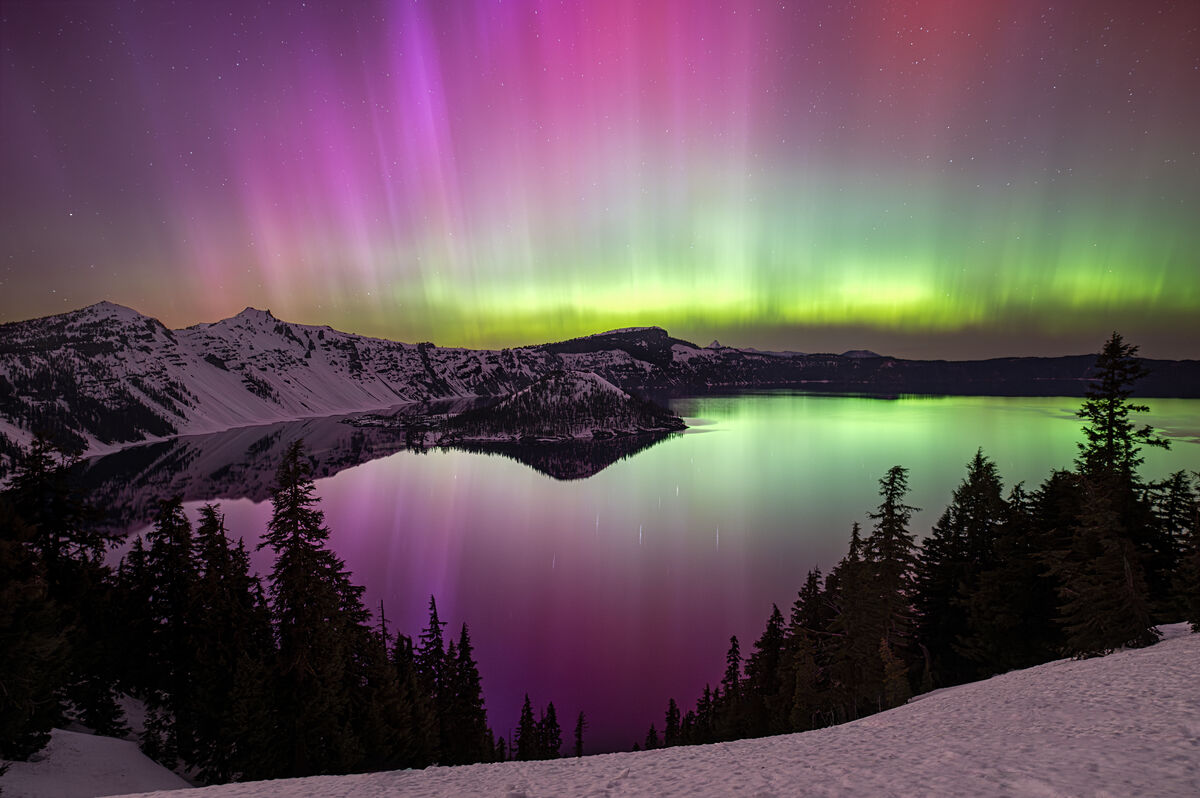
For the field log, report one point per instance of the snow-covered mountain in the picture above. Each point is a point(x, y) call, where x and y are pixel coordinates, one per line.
point(106, 375)
point(1125, 724)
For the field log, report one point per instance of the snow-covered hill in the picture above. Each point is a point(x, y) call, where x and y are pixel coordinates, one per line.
point(80, 765)
point(1122, 725)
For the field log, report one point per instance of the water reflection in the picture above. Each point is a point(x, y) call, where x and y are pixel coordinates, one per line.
point(240, 463)
point(612, 593)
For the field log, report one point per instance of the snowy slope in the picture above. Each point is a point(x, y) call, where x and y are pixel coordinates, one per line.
point(1123, 725)
point(76, 765)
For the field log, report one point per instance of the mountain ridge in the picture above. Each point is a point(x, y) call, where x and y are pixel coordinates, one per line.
point(106, 376)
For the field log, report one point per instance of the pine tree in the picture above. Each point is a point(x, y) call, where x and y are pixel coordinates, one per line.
point(432, 669)
point(1176, 515)
point(671, 726)
point(762, 676)
point(549, 734)
point(470, 736)
point(317, 615)
point(34, 654)
point(580, 725)
point(1112, 441)
point(891, 550)
point(231, 631)
point(418, 722)
point(855, 672)
point(895, 677)
point(1104, 599)
point(528, 744)
point(957, 551)
point(501, 751)
point(70, 545)
point(651, 739)
point(1010, 614)
point(729, 709)
point(804, 703)
point(170, 567)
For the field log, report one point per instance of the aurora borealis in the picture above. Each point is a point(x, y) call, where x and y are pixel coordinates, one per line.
point(922, 178)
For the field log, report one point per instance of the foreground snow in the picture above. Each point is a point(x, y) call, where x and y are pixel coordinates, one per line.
point(77, 765)
point(1123, 725)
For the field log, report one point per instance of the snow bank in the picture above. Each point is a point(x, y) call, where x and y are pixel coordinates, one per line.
point(77, 765)
point(1127, 724)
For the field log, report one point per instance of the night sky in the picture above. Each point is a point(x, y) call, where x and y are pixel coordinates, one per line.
point(919, 178)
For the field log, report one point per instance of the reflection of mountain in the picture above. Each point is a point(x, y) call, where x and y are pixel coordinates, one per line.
point(237, 464)
point(572, 459)
point(240, 463)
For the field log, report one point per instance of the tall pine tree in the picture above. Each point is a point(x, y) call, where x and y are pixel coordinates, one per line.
point(317, 615)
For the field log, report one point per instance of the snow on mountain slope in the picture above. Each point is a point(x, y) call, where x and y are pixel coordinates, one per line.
point(78, 765)
point(106, 375)
point(1122, 725)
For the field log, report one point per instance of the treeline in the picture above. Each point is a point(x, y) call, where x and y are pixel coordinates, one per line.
point(1087, 563)
point(240, 678)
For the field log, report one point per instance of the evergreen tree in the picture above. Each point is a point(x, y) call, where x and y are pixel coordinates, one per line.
point(957, 551)
point(469, 736)
point(317, 615)
point(580, 725)
point(1112, 441)
point(762, 677)
point(671, 726)
point(528, 744)
point(1103, 592)
point(1010, 614)
point(432, 669)
point(651, 739)
point(805, 700)
point(417, 720)
point(231, 631)
point(895, 677)
point(170, 569)
point(1176, 515)
point(891, 550)
point(34, 654)
point(380, 717)
point(729, 721)
point(855, 671)
point(549, 734)
point(70, 545)
point(809, 612)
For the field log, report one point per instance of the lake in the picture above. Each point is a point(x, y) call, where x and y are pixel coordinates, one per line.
point(612, 593)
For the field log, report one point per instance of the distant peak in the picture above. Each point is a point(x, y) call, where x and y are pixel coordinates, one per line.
point(714, 345)
point(863, 353)
point(111, 310)
point(255, 313)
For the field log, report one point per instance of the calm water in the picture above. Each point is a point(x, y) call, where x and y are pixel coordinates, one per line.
point(611, 594)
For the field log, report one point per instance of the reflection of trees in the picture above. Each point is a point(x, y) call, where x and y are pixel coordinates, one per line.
point(240, 463)
point(572, 459)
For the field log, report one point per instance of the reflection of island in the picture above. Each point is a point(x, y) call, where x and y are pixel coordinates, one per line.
point(571, 459)
point(240, 463)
